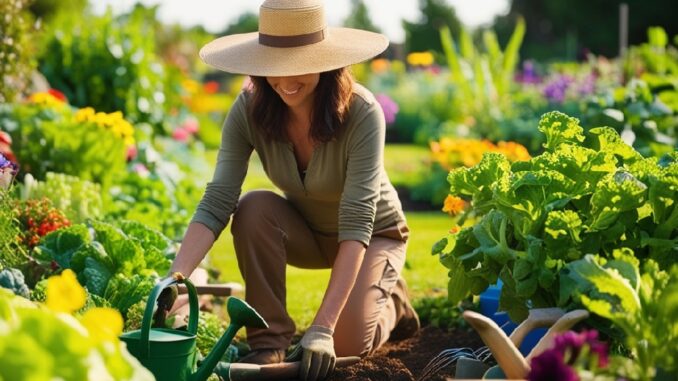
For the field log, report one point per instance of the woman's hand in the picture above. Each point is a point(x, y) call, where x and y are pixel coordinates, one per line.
point(317, 354)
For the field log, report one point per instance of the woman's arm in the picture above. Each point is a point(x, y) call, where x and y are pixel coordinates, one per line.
point(344, 273)
point(197, 242)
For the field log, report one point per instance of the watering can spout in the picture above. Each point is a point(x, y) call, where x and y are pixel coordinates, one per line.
point(241, 314)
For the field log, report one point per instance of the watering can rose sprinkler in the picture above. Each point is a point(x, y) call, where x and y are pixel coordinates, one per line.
point(170, 354)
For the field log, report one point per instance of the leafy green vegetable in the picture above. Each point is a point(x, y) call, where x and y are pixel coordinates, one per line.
point(588, 194)
point(39, 345)
point(644, 307)
point(123, 292)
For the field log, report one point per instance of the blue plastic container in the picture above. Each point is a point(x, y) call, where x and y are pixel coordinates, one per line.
point(489, 304)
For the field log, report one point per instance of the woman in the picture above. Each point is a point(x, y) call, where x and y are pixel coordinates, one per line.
point(320, 138)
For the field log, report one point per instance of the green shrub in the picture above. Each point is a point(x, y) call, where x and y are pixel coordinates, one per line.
point(16, 62)
point(109, 64)
point(49, 136)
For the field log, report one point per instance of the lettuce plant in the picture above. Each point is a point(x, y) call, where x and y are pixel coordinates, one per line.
point(588, 194)
point(640, 300)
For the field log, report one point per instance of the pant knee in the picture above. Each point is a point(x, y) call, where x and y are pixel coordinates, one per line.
point(252, 207)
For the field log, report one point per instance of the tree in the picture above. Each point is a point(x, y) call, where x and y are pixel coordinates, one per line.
point(246, 23)
point(359, 17)
point(424, 35)
point(47, 10)
point(566, 29)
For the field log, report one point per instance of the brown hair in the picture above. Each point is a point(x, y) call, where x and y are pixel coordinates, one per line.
point(332, 97)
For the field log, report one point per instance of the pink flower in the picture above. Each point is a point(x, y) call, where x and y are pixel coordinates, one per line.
point(389, 106)
point(191, 125)
point(141, 170)
point(181, 135)
point(131, 152)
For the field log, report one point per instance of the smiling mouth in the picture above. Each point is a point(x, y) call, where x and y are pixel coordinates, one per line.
point(292, 92)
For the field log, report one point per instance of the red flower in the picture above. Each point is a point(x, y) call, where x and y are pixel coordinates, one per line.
point(58, 95)
point(211, 87)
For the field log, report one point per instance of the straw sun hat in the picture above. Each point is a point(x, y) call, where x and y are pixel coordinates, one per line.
point(293, 39)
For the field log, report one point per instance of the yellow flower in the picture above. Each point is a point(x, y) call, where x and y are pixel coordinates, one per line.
point(103, 324)
point(64, 293)
point(46, 99)
point(420, 59)
point(453, 205)
point(84, 115)
point(190, 86)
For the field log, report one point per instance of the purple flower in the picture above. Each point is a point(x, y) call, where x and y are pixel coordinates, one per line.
point(588, 85)
point(389, 106)
point(549, 366)
point(574, 342)
point(556, 89)
point(7, 172)
point(4, 164)
point(528, 75)
point(562, 361)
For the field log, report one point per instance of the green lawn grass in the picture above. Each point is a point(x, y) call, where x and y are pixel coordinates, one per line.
point(305, 288)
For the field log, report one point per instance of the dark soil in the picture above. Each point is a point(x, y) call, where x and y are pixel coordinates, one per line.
point(405, 360)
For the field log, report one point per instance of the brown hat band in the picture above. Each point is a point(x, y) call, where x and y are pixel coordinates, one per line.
point(291, 41)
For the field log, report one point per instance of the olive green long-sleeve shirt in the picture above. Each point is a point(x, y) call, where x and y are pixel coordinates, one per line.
point(345, 189)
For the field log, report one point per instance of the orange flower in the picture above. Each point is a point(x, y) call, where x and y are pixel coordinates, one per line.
point(379, 65)
point(453, 205)
point(455, 229)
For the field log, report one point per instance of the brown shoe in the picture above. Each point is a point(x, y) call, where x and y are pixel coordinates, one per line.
point(264, 356)
point(408, 320)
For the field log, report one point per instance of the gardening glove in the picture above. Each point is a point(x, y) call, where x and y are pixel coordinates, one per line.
point(317, 353)
point(164, 305)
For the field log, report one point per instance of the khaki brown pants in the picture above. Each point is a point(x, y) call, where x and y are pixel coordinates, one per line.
point(268, 234)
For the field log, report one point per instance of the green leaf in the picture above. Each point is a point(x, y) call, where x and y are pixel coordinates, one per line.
point(476, 181)
point(439, 246)
point(560, 128)
point(608, 140)
point(615, 194)
point(616, 292)
point(562, 231)
point(457, 287)
point(60, 245)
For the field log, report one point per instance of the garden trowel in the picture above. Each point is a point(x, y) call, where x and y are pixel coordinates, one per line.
point(281, 371)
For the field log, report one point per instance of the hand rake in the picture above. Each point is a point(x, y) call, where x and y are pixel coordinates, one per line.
point(537, 318)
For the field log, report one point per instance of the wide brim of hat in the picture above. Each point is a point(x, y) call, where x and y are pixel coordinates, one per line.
point(242, 53)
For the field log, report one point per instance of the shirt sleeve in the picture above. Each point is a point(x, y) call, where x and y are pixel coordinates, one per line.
point(221, 195)
point(362, 187)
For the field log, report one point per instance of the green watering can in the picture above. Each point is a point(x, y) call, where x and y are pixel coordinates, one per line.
point(170, 354)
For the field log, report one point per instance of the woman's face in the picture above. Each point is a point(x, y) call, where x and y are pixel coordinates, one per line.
point(296, 91)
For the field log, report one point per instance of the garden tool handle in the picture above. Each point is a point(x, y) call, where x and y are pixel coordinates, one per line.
point(175, 278)
point(280, 371)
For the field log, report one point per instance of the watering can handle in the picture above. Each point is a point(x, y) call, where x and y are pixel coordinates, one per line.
point(175, 278)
